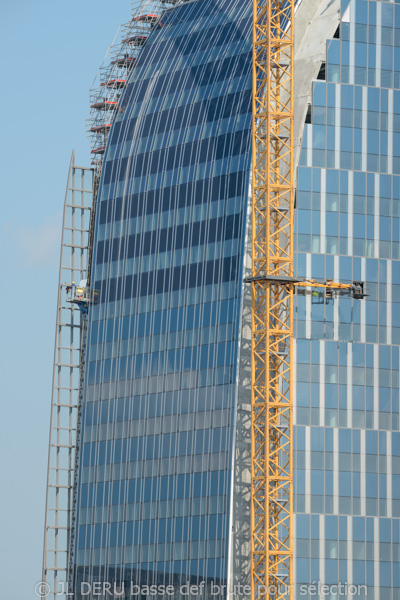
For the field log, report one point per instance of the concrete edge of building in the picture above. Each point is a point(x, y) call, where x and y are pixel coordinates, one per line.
point(315, 23)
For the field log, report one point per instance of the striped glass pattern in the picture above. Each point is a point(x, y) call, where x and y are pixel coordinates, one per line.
point(161, 383)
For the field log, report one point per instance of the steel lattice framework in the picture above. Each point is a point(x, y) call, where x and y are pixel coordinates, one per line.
point(114, 73)
point(67, 380)
point(272, 299)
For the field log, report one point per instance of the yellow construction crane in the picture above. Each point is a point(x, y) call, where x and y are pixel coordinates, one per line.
point(273, 284)
point(272, 299)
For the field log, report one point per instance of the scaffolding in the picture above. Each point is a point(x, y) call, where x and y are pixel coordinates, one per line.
point(114, 73)
point(67, 378)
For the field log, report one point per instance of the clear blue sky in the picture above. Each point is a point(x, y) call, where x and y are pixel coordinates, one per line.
point(50, 52)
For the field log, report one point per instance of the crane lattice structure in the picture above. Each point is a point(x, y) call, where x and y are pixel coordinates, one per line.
point(272, 299)
point(273, 286)
point(67, 381)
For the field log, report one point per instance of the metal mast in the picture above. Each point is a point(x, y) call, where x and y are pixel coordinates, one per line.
point(273, 286)
point(67, 371)
point(272, 299)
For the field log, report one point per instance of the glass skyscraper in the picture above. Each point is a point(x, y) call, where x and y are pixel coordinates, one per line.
point(163, 481)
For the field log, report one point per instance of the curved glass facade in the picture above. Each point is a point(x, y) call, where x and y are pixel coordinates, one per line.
point(156, 453)
point(163, 478)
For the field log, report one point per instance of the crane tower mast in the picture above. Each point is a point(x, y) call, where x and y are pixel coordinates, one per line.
point(272, 299)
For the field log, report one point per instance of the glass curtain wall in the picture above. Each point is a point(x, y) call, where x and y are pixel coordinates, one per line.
point(156, 452)
point(347, 459)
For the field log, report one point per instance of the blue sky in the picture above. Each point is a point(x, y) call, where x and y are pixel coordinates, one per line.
point(50, 52)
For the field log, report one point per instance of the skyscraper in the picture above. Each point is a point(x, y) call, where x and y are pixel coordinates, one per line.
point(163, 346)
point(164, 471)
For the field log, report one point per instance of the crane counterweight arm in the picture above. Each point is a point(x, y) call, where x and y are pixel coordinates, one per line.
point(356, 289)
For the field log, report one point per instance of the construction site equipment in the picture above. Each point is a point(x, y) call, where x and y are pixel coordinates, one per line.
point(136, 40)
point(114, 74)
point(115, 83)
point(356, 289)
point(149, 19)
point(99, 150)
point(273, 285)
point(81, 295)
point(69, 351)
